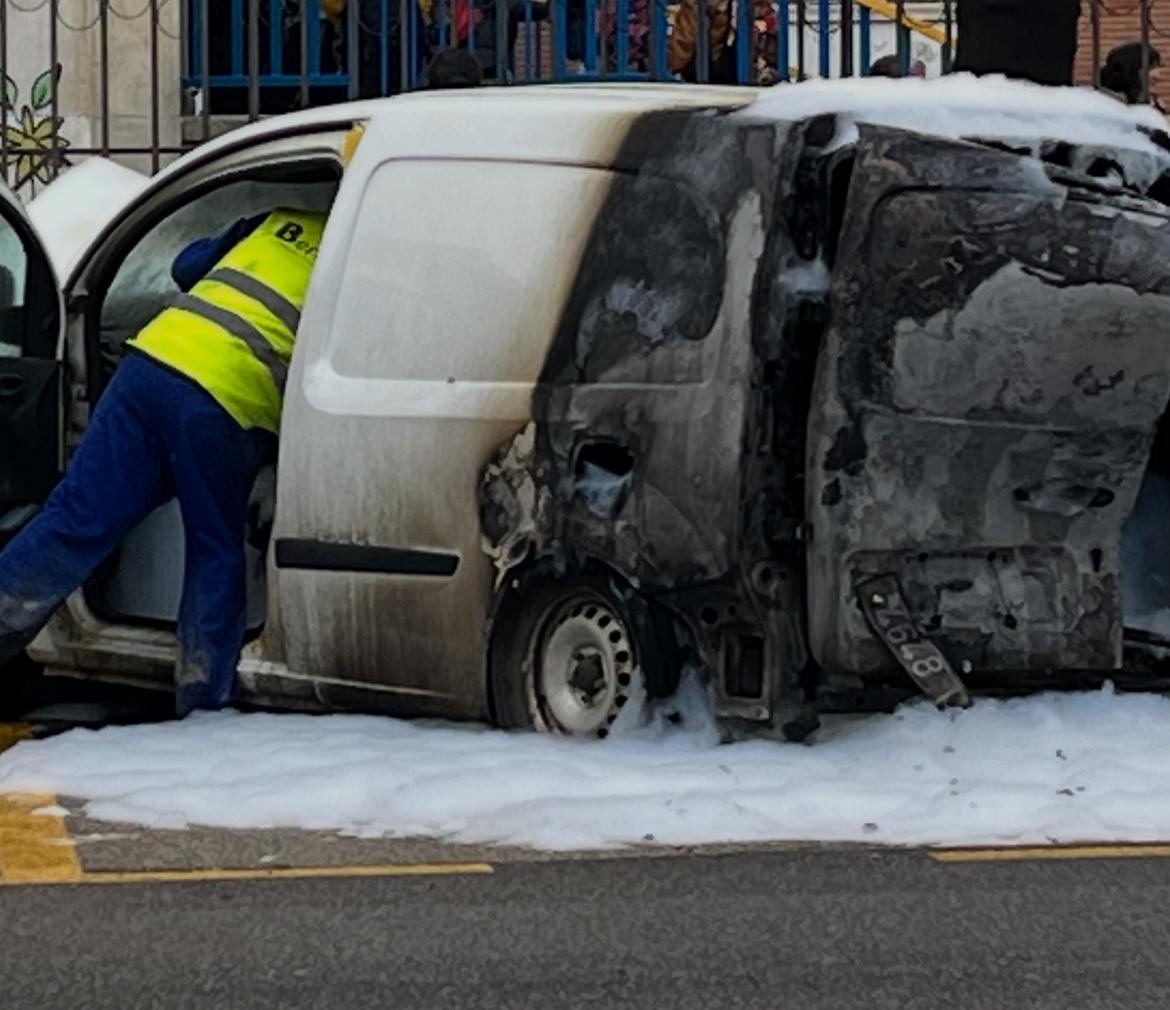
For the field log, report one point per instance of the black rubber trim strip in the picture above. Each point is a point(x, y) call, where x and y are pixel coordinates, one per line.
point(321, 556)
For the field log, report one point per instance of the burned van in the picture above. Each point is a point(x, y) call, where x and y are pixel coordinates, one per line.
point(825, 397)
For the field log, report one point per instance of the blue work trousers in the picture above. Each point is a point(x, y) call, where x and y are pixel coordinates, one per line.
point(155, 435)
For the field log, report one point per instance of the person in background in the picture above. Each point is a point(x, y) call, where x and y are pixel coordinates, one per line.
point(891, 66)
point(193, 413)
point(886, 66)
point(1121, 75)
point(636, 30)
point(682, 44)
point(453, 68)
point(373, 59)
point(575, 15)
point(458, 18)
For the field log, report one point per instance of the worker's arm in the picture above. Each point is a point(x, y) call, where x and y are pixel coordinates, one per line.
point(197, 259)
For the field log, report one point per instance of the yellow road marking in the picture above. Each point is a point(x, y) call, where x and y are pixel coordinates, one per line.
point(35, 848)
point(11, 733)
point(1137, 850)
point(269, 873)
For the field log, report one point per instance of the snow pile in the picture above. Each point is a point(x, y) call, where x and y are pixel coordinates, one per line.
point(961, 105)
point(1062, 767)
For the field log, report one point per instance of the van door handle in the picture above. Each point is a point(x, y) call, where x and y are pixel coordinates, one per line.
point(11, 386)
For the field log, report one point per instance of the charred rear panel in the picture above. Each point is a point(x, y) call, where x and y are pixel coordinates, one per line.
point(650, 450)
point(985, 403)
point(640, 409)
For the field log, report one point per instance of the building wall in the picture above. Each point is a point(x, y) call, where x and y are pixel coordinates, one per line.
point(28, 55)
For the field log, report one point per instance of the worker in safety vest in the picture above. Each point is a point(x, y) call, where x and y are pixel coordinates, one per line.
point(191, 413)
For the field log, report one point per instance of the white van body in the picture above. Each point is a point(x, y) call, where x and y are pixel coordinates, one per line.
point(571, 405)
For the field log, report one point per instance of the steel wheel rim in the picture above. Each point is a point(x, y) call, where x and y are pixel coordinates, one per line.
point(583, 667)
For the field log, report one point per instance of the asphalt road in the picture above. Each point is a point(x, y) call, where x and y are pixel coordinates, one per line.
point(805, 928)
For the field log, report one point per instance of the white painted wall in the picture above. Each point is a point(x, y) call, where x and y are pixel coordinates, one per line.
point(28, 54)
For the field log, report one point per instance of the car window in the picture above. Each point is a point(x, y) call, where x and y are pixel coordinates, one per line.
point(13, 277)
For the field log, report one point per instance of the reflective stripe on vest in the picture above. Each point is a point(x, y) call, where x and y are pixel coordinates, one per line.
point(234, 332)
point(284, 310)
point(272, 300)
point(237, 326)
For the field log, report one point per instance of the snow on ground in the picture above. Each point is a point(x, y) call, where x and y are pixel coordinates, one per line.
point(1057, 767)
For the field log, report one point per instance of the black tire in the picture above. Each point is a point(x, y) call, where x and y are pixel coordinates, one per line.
point(566, 654)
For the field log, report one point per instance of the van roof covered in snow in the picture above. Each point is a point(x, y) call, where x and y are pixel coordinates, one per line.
point(964, 106)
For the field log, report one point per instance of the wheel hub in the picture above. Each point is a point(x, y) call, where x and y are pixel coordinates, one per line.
point(583, 668)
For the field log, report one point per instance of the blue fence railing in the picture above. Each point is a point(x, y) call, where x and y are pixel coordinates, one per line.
point(267, 56)
point(292, 52)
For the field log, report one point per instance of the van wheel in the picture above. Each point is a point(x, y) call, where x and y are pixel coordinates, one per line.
point(566, 659)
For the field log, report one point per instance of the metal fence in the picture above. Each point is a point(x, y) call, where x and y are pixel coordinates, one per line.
point(214, 63)
point(300, 49)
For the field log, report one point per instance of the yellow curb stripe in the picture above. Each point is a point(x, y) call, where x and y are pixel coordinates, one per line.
point(270, 873)
point(1137, 850)
point(35, 848)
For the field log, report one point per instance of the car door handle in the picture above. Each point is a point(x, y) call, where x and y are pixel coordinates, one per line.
point(11, 386)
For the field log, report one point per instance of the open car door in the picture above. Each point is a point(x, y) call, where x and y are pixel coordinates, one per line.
point(30, 371)
point(996, 366)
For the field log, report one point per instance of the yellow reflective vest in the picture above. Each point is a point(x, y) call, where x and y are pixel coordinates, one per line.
point(233, 333)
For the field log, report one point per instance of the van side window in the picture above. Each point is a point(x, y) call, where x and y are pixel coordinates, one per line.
point(464, 270)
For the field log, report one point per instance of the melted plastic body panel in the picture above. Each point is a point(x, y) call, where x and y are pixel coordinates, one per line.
point(984, 407)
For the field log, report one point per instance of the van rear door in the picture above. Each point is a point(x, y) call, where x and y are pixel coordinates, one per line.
point(997, 362)
point(30, 371)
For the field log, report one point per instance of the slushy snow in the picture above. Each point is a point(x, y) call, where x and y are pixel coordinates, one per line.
point(1049, 768)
